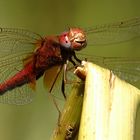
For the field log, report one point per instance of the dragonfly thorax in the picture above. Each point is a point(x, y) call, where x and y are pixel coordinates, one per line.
point(74, 39)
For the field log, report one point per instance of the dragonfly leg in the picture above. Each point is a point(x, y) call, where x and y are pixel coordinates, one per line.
point(70, 59)
point(58, 72)
point(57, 107)
point(63, 88)
point(76, 58)
point(64, 80)
point(50, 90)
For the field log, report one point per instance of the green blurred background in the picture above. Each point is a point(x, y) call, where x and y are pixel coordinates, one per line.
point(36, 121)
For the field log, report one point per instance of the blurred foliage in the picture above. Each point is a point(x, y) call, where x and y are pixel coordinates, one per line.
point(37, 120)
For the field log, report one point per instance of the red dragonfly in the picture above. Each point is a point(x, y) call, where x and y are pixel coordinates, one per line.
point(26, 56)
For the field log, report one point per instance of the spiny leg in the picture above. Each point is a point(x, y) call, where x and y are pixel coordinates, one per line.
point(52, 97)
point(64, 79)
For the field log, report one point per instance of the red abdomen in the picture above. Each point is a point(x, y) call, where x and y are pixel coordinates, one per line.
point(22, 77)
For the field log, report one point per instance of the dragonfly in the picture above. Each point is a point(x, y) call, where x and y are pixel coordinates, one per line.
point(26, 56)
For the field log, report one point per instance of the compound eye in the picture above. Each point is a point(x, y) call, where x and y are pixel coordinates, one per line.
point(64, 41)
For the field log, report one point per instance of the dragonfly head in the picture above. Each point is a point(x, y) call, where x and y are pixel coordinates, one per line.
point(74, 39)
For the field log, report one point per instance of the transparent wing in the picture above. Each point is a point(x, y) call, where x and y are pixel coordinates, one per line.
point(114, 33)
point(15, 46)
point(18, 96)
point(126, 68)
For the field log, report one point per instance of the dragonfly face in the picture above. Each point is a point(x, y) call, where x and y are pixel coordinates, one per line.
point(74, 39)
